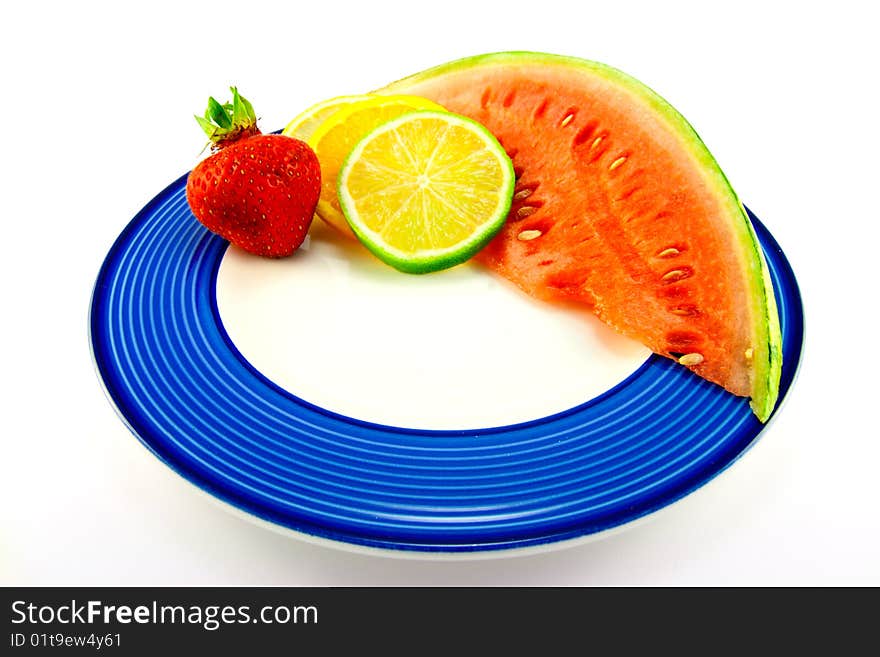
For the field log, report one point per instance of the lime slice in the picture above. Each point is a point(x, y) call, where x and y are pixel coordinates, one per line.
point(333, 140)
point(427, 190)
point(304, 124)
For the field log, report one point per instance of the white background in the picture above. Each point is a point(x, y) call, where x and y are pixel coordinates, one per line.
point(97, 104)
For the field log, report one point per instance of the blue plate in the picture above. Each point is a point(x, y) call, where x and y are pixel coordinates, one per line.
point(188, 394)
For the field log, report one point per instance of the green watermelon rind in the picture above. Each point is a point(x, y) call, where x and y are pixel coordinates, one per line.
point(765, 383)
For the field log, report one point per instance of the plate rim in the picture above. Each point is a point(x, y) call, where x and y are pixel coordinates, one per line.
point(520, 545)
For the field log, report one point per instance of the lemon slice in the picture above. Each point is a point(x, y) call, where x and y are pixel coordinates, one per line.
point(333, 140)
point(427, 190)
point(304, 124)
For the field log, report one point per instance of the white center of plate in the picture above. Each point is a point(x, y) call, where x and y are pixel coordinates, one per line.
point(458, 349)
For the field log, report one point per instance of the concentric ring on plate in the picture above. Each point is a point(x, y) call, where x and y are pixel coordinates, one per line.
point(188, 394)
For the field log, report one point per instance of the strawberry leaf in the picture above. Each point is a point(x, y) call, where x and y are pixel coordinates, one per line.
point(252, 116)
point(209, 128)
point(239, 111)
point(218, 113)
point(230, 121)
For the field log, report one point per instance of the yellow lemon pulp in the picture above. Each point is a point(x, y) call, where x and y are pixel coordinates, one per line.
point(427, 190)
point(304, 124)
point(334, 139)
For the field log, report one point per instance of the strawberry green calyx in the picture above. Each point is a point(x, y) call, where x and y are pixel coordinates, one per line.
point(229, 122)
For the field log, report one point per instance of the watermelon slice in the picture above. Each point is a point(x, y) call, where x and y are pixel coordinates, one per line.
point(620, 206)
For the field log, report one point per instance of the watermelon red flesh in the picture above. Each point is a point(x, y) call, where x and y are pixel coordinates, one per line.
point(619, 206)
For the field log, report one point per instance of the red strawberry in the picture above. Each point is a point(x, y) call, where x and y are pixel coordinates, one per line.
point(257, 191)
